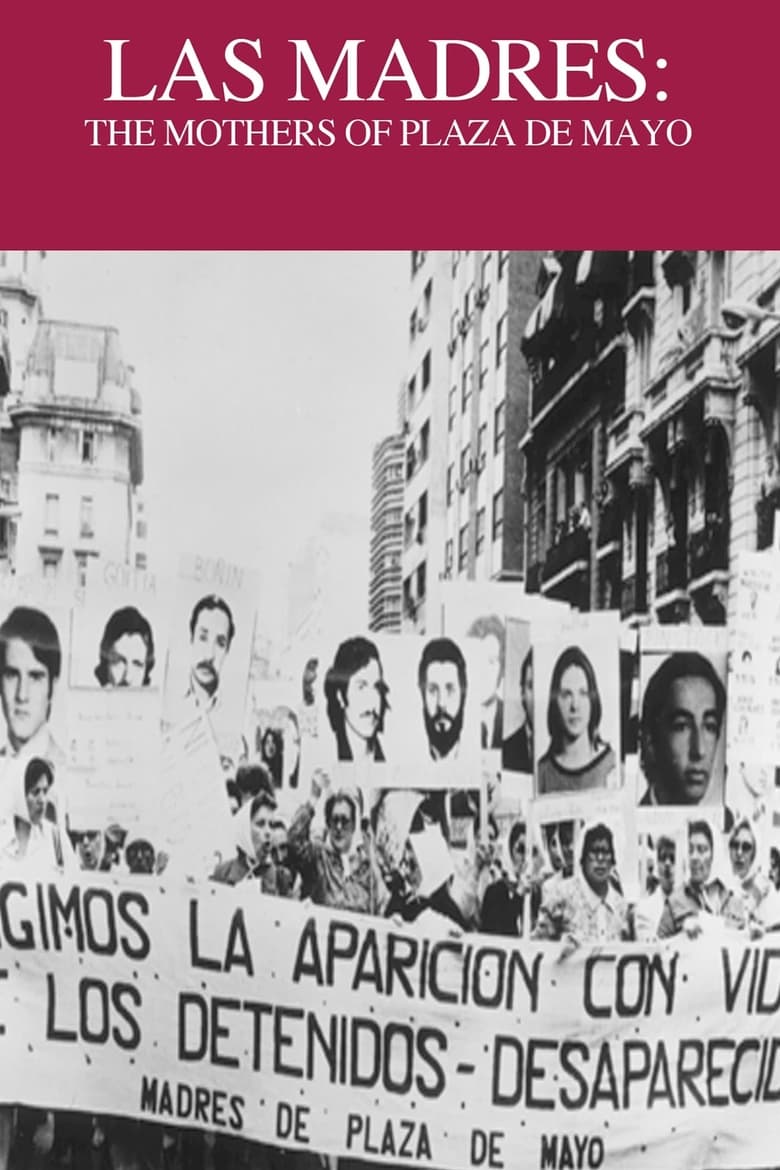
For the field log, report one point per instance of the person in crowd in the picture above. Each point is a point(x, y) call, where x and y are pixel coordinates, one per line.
point(126, 655)
point(587, 907)
point(92, 850)
point(271, 749)
point(649, 909)
point(518, 753)
point(140, 856)
point(577, 757)
point(252, 779)
point(680, 727)
point(489, 630)
point(441, 677)
point(356, 697)
point(254, 858)
point(511, 903)
point(750, 884)
point(692, 906)
point(30, 666)
point(37, 839)
point(338, 869)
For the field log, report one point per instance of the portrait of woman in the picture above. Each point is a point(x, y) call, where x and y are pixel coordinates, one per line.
point(577, 757)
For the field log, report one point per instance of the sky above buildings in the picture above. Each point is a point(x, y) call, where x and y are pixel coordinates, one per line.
point(266, 378)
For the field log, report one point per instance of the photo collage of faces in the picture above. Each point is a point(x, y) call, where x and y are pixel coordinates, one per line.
point(524, 768)
point(122, 712)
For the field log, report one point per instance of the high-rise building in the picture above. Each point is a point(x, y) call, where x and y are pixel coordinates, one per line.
point(466, 409)
point(384, 590)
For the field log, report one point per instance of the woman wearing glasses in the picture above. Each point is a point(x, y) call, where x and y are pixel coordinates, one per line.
point(587, 907)
point(577, 756)
point(338, 869)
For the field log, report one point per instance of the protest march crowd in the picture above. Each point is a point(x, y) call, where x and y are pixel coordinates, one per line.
point(527, 773)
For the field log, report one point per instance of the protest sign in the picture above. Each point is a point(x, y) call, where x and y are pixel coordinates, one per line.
point(344, 1034)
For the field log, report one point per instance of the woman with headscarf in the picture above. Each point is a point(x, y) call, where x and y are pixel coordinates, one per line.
point(254, 853)
point(37, 839)
point(750, 885)
point(577, 757)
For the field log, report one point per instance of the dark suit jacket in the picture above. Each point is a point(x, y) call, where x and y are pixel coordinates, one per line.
point(517, 752)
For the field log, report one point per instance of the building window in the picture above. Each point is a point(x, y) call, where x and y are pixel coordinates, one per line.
point(421, 581)
point(465, 465)
point(467, 386)
point(487, 260)
point(480, 530)
point(51, 444)
point(81, 570)
point(422, 517)
point(499, 426)
point(410, 395)
point(501, 339)
point(49, 566)
point(140, 560)
point(426, 371)
point(88, 447)
point(455, 262)
point(449, 554)
point(463, 547)
point(413, 325)
point(51, 520)
point(481, 446)
point(498, 513)
point(484, 362)
point(453, 406)
point(411, 462)
point(86, 518)
point(468, 304)
point(418, 259)
point(503, 260)
point(450, 483)
point(425, 441)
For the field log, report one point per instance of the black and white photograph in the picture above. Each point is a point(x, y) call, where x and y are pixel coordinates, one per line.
point(577, 713)
point(436, 731)
point(682, 722)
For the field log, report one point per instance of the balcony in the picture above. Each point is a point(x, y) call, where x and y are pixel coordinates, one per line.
point(585, 351)
point(700, 367)
point(570, 555)
point(708, 552)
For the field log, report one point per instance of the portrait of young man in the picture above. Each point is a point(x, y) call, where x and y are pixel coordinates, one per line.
point(680, 731)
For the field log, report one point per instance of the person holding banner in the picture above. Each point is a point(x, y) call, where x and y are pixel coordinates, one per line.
point(254, 856)
point(588, 907)
point(356, 697)
point(649, 910)
point(577, 757)
point(510, 905)
point(702, 897)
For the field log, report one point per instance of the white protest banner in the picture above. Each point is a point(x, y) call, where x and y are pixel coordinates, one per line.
point(222, 1009)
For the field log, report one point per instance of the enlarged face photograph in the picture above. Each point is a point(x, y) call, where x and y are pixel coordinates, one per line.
point(577, 714)
point(682, 727)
